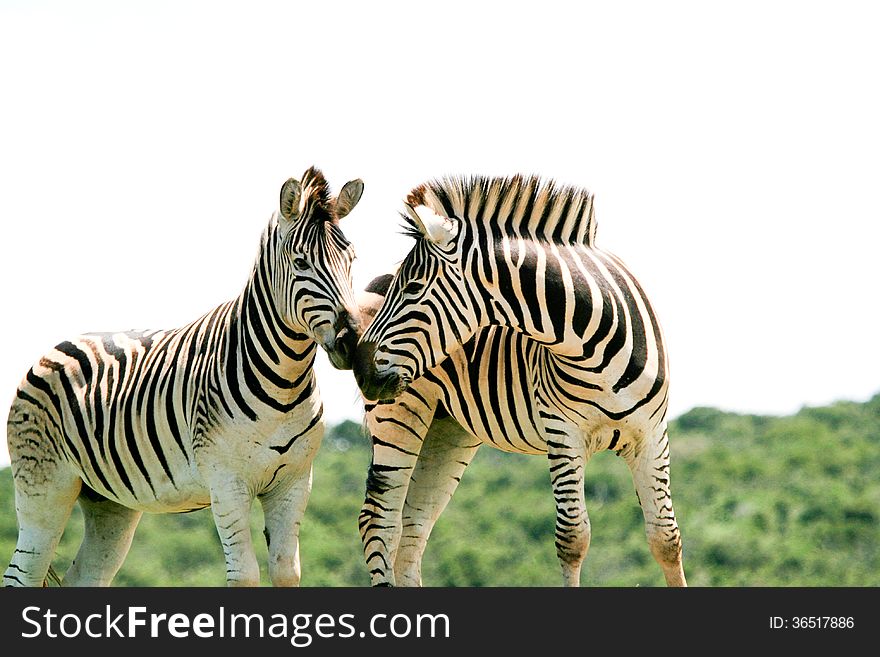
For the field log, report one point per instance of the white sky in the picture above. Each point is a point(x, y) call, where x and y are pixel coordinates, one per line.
point(734, 153)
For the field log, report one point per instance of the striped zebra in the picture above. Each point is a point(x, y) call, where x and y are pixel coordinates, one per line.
point(506, 325)
point(215, 413)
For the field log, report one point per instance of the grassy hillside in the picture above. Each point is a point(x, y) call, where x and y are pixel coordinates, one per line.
point(762, 501)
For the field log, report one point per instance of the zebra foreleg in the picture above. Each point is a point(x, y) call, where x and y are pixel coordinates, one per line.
point(649, 465)
point(446, 452)
point(231, 502)
point(109, 528)
point(397, 432)
point(283, 512)
point(567, 454)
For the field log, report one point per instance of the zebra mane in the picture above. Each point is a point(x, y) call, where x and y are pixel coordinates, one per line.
point(318, 203)
point(517, 206)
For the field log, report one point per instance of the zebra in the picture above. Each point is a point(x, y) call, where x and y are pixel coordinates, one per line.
point(214, 413)
point(506, 325)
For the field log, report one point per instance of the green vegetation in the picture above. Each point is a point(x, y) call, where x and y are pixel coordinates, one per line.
point(762, 501)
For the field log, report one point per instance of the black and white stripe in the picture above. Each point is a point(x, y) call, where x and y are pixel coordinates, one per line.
point(506, 325)
point(215, 413)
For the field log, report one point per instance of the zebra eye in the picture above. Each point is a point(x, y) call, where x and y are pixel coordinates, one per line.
point(413, 287)
point(301, 264)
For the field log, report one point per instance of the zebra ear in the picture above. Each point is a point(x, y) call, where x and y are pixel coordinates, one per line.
point(291, 192)
point(436, 228)
point(349, 197)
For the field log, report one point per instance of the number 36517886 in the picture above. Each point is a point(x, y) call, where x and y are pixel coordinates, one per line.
point(812, 622)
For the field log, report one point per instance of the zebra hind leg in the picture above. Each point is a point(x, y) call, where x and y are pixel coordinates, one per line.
point(42, 517)
point(43, 508)
point(650, 471)
point(567, 454)
point(46, 488)
point(446, 452)
point(109, 529)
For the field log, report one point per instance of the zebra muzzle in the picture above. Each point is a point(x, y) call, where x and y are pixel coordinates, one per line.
point(343, 349)
point(340, 340)
point(375, 384)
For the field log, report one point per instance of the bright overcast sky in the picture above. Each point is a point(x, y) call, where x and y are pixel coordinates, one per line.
point(733, 153)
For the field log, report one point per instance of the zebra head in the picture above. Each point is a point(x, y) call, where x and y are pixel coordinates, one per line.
point(428, 310)
point(311, 279)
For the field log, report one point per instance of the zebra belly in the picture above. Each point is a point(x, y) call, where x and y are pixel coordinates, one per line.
point(262, 455)
point(509, 431)
point(491, 387)
point(186, 493)
point(140, 479)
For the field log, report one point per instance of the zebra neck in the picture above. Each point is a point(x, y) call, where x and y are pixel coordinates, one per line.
point(275, 361)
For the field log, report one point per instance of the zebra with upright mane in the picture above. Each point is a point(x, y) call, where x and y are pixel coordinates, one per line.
point(505, 324)
point(215, 413)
